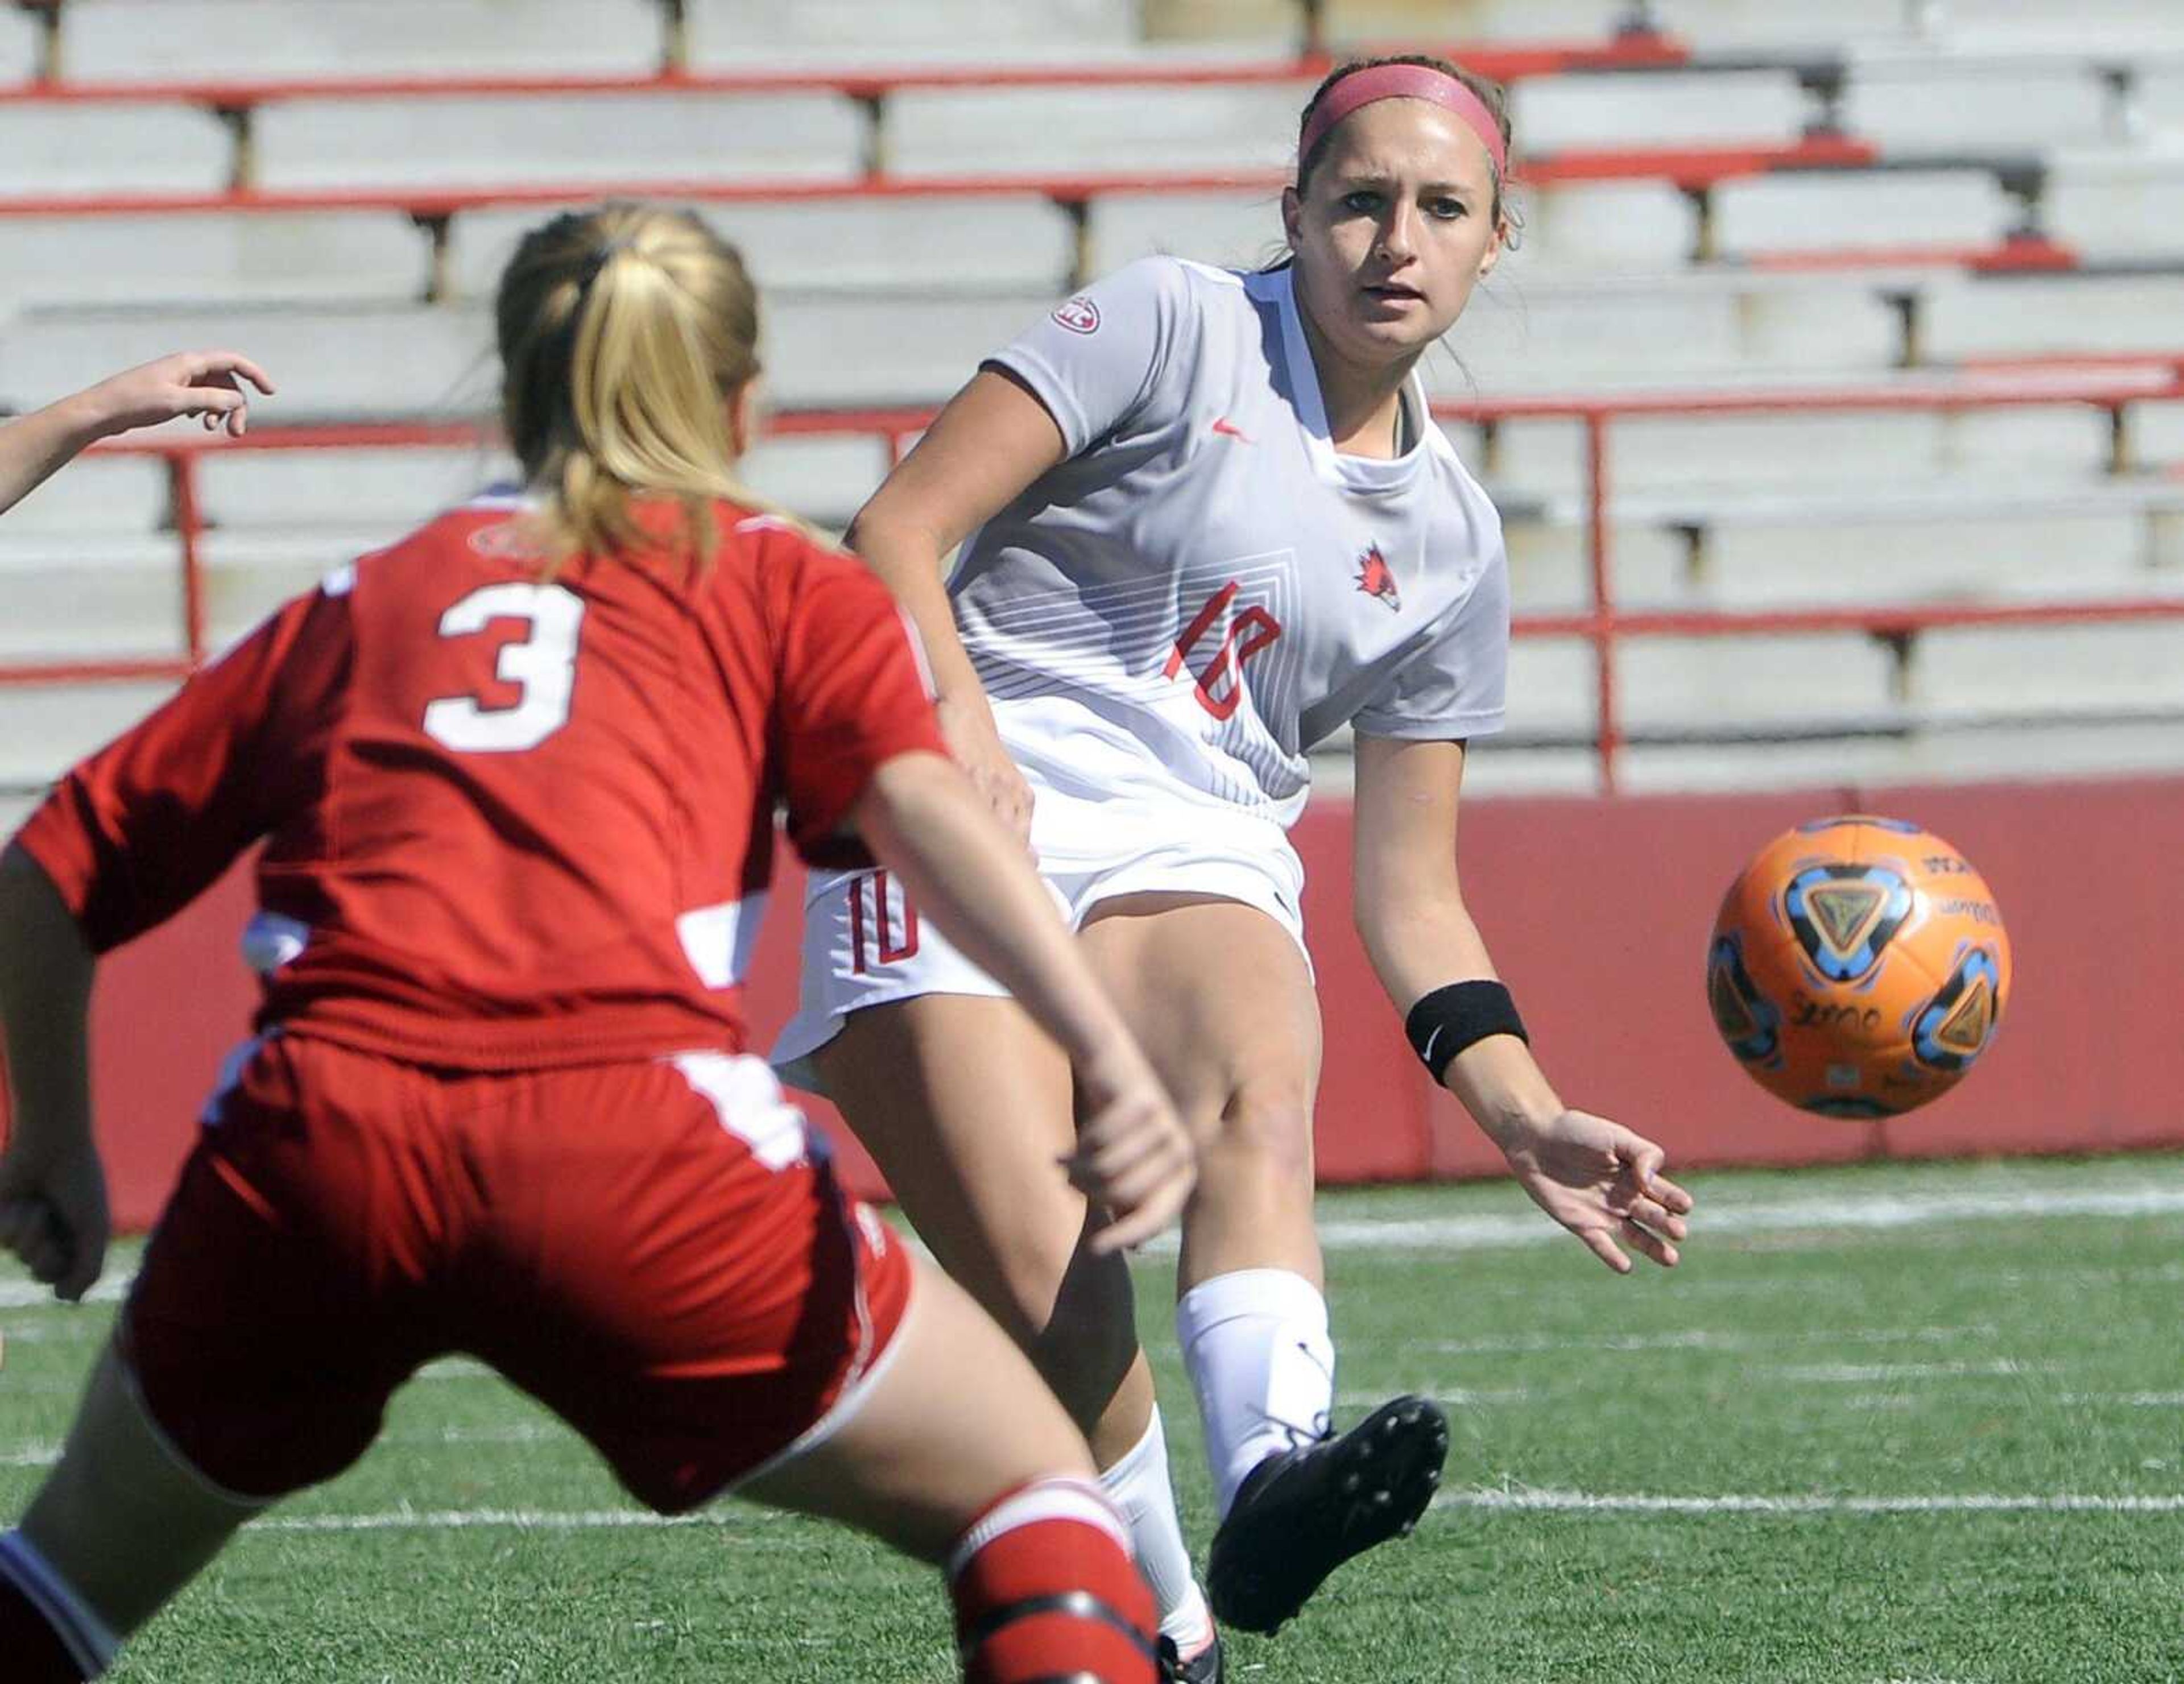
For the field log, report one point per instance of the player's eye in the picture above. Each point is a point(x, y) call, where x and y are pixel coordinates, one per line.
point(1362, 203)
point(1447, 209)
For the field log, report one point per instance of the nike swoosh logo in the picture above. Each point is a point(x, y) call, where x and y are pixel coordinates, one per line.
point(1431, 1039)
point(1229, 429)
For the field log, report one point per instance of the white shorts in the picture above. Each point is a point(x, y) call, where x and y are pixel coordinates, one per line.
point(864, 944)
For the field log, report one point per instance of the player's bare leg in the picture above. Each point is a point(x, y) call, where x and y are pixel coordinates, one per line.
point(119, 1526)
point(993, 1482)
point(1220, 999)
point(966, 1107)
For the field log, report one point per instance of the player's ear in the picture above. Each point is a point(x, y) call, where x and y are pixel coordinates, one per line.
point(1292, 218)
point(743, 417)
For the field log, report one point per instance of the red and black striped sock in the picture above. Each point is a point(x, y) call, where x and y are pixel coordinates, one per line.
point(1046, 1592)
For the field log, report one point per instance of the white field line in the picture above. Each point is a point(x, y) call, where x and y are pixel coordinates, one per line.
point(1456, 1397)
point(523, 1519)
point(28, 1295)
point(1681, 1339)
point(37, 1453)
point(729, 1516)
point(1830, 1210)
point(1833, 1211)
point(1966, 1502)
point(726, 1516)
point(1882, 1373)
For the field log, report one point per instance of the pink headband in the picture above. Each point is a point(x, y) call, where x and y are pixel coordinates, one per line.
point(1404, 82)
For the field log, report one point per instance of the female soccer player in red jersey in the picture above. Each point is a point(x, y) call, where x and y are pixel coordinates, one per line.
point(1206, 520)
point(208, 384)
point(515, 778)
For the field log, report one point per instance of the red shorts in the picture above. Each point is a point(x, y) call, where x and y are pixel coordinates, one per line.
point(657, 1252)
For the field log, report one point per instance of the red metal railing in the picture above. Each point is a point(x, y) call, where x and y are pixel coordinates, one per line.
point(2111, 385)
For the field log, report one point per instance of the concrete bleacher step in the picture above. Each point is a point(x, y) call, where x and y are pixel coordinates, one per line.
point(2117, 203)
point(377, 494)
point(2052, 666)
point(1974, 558)
point(1831, 452)
point(1648, 223)
point(1393, 23)
point(1864, 208)
point(1511, 340)
point(1008, 130)
point(1670, 108)
point(47, 149)
point(46, 728)
point(99, 495)
point(305, 144)
point(365, 256)
point(439, 360)
point(1934, 106)
point(724, 34)
point(2160, 94)
point(139, 40)
point(1016, 243)
point(1842, 685)
point(2054, 314)
point(330, 363)
point(18, 45)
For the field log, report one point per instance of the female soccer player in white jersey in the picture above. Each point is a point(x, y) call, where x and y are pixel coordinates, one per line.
point(1206, 520)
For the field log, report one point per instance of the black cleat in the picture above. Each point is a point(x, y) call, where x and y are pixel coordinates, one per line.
point(1302, 1513)
point(1202, 1668)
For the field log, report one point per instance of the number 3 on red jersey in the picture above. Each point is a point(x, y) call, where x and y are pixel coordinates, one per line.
point(879, 905)
point(542, 666)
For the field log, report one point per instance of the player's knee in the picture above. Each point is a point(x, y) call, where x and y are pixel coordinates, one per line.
point(1044, 1588)
point(1265, 1135)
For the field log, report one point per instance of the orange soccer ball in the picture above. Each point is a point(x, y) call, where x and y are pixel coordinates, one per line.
point(1858, 967)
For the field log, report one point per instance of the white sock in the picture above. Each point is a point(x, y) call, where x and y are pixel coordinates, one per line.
point(1139, 1485)
point(1256, 1345)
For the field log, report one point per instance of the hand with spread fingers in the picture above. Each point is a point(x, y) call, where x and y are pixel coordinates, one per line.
point(208, 384)
point(1604, 1184)
point(211, 385)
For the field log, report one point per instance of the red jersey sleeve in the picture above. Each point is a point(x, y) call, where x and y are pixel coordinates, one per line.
point(136, 831)
point(853, 695)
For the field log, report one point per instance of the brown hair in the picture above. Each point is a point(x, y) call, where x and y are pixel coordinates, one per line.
point(1490, 94)
point(623, 332)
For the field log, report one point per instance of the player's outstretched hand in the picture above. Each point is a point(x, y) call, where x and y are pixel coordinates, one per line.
point(54, 1216)
point(207, 384)
point(1133, 1154)
point(967, 727)
point(1604, 1184)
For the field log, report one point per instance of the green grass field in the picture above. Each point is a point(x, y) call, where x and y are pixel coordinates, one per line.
point(1901, 1424)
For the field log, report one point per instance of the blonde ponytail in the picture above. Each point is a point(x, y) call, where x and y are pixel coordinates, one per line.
point(625, 333)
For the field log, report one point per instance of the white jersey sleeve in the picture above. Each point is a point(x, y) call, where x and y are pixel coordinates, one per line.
point(1457, 685)
point(1100, 359)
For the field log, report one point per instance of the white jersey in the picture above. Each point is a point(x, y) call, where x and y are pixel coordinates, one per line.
point(1206, 588)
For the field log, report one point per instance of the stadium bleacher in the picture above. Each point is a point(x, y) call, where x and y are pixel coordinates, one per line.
point(1733, 209)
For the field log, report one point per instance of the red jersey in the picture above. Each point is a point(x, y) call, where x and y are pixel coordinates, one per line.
point(511, 820)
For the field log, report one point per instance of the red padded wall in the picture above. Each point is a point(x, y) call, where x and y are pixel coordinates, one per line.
point(1598, 911)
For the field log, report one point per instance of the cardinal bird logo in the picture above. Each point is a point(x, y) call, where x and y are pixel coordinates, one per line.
point(1375, 577)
